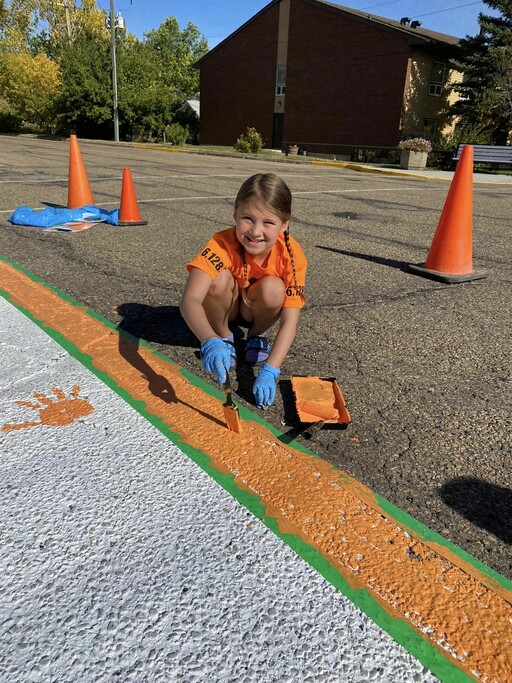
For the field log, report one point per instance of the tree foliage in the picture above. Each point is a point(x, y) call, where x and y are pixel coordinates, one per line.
point(46, 25)
point(29, 85)
point(156, 75)
point(62, 52)
point(85, 98)
point(175, 53)
point(486, 61)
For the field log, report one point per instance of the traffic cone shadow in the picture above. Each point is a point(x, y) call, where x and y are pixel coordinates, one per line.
point(129, 211)
point(79, 190)
point(450, 256)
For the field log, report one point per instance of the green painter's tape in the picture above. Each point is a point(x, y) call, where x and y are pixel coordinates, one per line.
point(435, 660)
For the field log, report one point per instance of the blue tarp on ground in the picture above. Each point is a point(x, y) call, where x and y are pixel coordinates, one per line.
point(50, 216)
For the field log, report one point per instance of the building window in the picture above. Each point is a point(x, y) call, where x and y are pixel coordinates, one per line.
point(429, 129)
point(437, 79)
point(281, 80)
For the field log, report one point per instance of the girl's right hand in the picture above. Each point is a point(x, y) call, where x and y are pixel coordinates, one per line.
point(216, 358)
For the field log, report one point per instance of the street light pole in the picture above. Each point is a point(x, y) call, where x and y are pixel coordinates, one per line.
point(114, 70)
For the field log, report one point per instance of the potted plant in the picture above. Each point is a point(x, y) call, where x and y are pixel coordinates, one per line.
point(414, 152)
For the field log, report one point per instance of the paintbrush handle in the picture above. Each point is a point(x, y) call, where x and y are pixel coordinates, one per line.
point(227, 389)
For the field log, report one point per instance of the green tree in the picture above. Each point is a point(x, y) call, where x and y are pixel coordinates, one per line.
point(72, 76)
point(145, 102)
point(29, 85)
point(85, 99)
point(48, 26)
point(485, 102)
point(175, 53)
point(155, 76)
point(28, 88)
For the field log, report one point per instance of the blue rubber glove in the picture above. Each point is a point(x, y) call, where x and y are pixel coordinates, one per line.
point(264, 387)
point(216, 358)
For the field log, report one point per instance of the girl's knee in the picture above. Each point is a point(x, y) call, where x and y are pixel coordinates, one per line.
point(222, 286)
point(271, 291)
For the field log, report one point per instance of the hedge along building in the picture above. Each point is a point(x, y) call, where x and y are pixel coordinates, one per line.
point(324, 76)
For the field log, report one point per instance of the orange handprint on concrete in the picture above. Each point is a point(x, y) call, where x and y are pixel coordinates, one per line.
point(54, 413)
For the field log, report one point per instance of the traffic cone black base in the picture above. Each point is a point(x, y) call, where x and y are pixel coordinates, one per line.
point(447, 278)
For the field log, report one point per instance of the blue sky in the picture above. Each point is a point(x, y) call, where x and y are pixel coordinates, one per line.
point(216, 20)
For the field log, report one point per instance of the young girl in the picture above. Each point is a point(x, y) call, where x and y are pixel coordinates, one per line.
point(256, 269)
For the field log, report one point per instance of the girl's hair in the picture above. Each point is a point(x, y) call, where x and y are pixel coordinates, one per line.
point(270, 191)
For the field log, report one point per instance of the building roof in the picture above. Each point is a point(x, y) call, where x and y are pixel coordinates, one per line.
point(417, 35)
point(192, 106)
point(392, 23)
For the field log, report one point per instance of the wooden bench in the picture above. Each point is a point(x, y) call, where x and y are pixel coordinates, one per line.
point(488, 154)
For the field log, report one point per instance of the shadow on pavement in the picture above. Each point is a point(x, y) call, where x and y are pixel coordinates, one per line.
point(401, 265)
point(488, 506)
point(158, 385)
point(160, 324)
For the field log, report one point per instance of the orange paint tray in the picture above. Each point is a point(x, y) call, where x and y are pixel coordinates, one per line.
point(319, 399)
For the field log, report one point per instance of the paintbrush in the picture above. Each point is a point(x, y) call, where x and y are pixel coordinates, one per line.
point(231, 415)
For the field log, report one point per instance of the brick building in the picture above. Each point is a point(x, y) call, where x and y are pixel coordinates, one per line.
point(323, 76)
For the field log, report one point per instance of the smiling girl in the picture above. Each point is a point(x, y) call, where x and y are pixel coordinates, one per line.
point(256, 269)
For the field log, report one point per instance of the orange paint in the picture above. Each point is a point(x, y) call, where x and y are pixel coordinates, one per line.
point(52, 413)
point(318, 398)
point(455, 607)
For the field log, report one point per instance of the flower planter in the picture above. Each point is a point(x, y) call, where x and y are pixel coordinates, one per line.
point(410, 159)
point(293, 149)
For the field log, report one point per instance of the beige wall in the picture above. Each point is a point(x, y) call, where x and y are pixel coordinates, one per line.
point(419, 105)
point(282, 48)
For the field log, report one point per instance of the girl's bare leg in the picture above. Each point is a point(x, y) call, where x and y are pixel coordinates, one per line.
point(221, 303)
point(267, 298)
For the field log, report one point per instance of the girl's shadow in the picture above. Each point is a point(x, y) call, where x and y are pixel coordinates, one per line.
point(158, 385)
point(160, 324)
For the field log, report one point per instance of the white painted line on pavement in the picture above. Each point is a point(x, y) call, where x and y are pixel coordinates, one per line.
point(232, 196)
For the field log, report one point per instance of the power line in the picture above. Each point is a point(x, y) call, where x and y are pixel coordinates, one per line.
point(448, 9)
point(391, 2)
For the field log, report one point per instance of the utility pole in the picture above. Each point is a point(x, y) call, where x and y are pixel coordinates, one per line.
point(69, 27)
point(68, 22)
point(114, 70)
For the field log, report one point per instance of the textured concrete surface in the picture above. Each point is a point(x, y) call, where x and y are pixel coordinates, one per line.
point(122, 560)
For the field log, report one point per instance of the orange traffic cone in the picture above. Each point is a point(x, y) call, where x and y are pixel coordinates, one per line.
point(79, 191)
point(450, 256)
point(129, 211)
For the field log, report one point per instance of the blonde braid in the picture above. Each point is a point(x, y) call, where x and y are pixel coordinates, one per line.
point(290, 252)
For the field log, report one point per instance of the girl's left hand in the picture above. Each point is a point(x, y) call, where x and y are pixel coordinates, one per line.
point(264, 387)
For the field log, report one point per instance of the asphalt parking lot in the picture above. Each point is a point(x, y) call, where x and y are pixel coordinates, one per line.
point(425, 367)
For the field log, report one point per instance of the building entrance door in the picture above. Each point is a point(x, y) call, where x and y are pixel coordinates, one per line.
point(277, 131)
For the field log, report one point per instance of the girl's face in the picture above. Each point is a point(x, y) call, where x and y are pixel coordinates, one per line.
point(257, 228)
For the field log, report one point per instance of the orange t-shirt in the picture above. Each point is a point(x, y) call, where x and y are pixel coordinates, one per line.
point(224, 251)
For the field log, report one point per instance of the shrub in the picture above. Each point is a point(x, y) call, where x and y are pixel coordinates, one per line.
point(175, 134)
point(416, 145)
point(242, 145)
point(9, 122)
point(470, 135)
point(250, 141)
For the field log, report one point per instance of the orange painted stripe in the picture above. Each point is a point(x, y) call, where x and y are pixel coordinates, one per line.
point(456, 608)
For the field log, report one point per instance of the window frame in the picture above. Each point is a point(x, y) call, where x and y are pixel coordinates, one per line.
point(280, 81)
point(435, 88)
point(430, 135)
